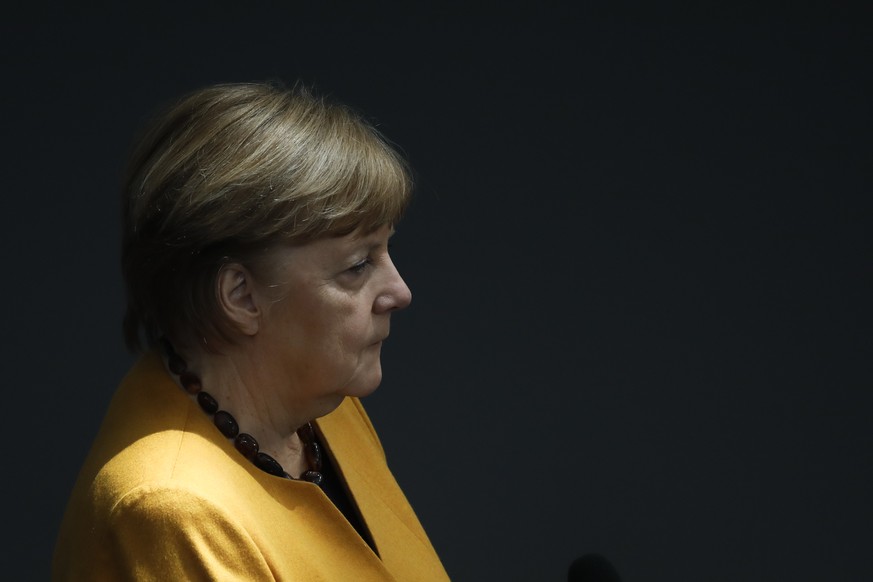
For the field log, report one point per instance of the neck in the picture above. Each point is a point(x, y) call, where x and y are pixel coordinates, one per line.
point(237, 380)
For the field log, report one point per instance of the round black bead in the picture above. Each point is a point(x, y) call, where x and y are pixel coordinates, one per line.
point(247, 445)
point(312, 450)
point(313, 477)
point(207, 402)
point(268, 464)
point(306, 433)
point(226, 423)
point(176, 364)
point(190, 382)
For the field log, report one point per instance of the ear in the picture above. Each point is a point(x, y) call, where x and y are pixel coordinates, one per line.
point(238, 299)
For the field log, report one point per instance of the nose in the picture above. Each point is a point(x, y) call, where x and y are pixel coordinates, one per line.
point(395, 294)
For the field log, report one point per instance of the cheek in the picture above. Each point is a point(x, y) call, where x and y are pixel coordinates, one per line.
point(334, 327)
point(350, 324)
point(353, 339)
point(334, 338)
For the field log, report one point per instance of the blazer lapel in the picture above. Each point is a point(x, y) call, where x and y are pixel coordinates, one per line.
point(360, 462)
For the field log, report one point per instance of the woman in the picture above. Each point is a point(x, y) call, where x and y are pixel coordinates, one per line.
point(260, 289)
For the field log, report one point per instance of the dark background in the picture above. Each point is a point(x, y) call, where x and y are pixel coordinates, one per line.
point(640, 253)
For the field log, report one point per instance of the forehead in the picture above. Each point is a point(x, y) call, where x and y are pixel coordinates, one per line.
point(326, 251)
point(352, 241)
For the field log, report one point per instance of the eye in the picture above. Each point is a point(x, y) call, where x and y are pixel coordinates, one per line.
point(360, 267)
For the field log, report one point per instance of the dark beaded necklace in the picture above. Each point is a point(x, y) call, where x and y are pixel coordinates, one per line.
point(244, 442)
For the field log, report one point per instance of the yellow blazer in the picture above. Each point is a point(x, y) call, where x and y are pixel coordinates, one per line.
point(164, 496)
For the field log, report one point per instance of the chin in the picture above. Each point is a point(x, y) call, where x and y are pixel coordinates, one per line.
point(366, 386)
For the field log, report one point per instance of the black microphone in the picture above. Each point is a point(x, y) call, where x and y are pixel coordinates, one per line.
point(592, 568)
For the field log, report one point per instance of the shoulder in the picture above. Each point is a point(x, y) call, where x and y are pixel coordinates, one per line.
point(161, 531)
point(173, 516)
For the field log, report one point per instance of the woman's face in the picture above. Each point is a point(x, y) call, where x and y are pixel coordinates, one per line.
point(329, 311)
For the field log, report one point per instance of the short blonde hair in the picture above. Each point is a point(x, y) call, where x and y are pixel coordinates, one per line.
point(229, 171)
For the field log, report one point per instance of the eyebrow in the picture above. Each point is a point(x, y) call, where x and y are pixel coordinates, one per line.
point(375, 244)
point(367, 242)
